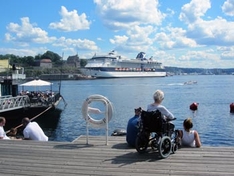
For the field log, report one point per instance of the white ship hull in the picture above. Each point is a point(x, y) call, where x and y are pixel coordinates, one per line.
point(113, 66)
point(126, 74)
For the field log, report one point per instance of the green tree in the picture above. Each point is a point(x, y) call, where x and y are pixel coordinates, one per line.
point(54, 57)
point(13, 59)
point(27, 61)
point(38, 57)
point(83, 62)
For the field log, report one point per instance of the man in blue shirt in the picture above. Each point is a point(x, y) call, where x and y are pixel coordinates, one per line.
point(132, 128)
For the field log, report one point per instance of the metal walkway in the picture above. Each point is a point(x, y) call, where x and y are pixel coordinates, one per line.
point(8, 103)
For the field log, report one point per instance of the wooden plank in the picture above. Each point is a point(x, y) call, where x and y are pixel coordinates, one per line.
point(116, 158)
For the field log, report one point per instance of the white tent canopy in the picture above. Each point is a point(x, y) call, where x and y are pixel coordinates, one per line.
point(37, 82)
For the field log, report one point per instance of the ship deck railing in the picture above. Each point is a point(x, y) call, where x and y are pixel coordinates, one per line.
point(8, 102)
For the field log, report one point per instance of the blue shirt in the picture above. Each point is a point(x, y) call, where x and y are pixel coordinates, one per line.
point(132, 130)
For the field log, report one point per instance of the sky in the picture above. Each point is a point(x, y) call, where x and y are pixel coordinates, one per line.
point(184, 33)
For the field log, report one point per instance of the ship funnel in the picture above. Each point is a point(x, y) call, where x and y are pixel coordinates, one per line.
point(141, 55)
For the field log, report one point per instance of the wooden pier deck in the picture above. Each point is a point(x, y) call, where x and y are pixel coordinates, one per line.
point(76, 158)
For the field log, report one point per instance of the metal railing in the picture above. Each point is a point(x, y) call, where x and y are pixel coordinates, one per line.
point(8, 103)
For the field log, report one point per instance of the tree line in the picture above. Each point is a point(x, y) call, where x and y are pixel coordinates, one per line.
point(26, 61)
point(29, 63)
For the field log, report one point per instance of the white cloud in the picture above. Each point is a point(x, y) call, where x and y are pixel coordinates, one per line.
point(215, 32)
point(23, 52)
point(199, 59)
point(228, 7)
point(170, 12)
point(164, 57)
point(194, 10)
point(119, 40)
point(227, 56)
point(77, 44)
point(227, 53)
point(198, 56)
point(136, 39)
point(206, 58)
point(225, 48)
point(174, 38)
point(197, 40)
point(71, 21)
point(140, 35)
point(209, 59)
point(26, 33)
point(125, 14)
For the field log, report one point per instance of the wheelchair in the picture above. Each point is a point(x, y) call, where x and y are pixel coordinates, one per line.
point(156, 132)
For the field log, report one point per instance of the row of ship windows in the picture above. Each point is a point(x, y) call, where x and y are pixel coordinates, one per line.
point(134, 69)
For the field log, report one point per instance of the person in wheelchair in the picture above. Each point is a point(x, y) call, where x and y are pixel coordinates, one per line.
point(165, 113)
point(156, 129)
point(156, 105)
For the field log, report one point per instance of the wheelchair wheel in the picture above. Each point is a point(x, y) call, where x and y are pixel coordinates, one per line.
point(141, 143)
point(165, 147)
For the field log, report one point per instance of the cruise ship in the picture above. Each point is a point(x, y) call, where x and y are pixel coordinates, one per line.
point(114, 66)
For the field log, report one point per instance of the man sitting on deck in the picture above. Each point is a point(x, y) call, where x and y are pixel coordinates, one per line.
point(2, 131)
point(33, 131)
point(132, 128)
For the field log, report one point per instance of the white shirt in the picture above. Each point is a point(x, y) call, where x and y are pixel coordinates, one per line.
point(34, 132)
point(3, 133)
point(188, 138)
point(164, 111)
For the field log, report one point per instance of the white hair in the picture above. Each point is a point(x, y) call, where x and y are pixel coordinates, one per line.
point(158, 96)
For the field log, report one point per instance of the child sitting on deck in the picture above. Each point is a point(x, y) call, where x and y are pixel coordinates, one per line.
point(189, 137)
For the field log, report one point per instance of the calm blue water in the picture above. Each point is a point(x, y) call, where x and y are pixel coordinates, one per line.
point(214, 94)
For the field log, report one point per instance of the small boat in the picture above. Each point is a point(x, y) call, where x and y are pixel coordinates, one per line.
point(114, 66)
point(190, 82)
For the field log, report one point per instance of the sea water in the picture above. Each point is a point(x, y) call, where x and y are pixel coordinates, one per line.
point(212, 120)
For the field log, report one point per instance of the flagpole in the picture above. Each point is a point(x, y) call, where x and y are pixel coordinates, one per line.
point(8, 67)
point(61, 73)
